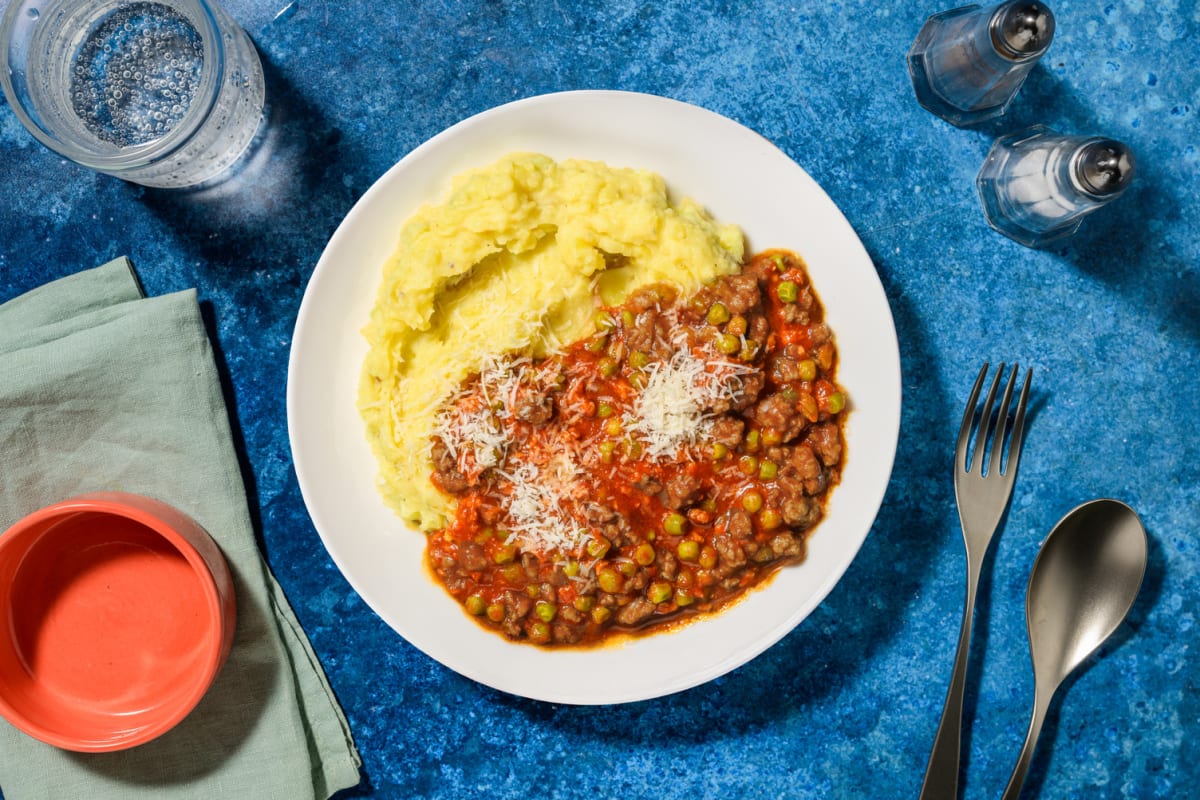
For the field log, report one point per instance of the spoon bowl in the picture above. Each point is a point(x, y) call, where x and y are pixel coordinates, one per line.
point(1084, 580)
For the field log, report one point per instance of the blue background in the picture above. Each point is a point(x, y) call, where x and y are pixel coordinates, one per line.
point(847, 704)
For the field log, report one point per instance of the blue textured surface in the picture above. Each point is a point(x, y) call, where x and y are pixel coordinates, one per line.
point(847, 704)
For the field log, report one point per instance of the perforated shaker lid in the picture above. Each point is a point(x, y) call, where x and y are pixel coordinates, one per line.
point(1104, 167)
point(1022, 30)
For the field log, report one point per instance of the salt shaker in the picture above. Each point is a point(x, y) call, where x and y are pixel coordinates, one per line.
point(1036, 186)
point(967, 64)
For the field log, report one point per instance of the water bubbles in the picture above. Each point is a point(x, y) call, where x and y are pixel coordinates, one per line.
point(33, 13)
point(134, 77)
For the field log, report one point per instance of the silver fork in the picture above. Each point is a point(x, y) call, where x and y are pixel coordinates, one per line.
point(982, 497)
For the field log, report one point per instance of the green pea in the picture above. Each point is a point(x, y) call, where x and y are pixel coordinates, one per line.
point(728, 344)
point(604, 410)
point(476, 605)
point(675, 523)
point(748, 465)
point(584, 603)
point(644, 554)
point(613, 426)
point(787, 291)
point(539, 631)
point(719, 451)
point(767, 470)
point(807, 369)
point(571, 568)
point(708, 556)
point(607, 449)
point(770, 519)
point(610, 580)
point(737, 325)
point(683, 598)
point(688, 550)
point(495, 612)
point(659, 592)
point(638, 359)
point(752, 501)
point(600, 614)
point(598, 547)
point(545, 611)
point(717, 314)
point(505, 554)
point(608, 366)
point(627, 318)
point(835, 402)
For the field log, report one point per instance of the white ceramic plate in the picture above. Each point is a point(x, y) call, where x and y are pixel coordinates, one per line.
point(741, 178)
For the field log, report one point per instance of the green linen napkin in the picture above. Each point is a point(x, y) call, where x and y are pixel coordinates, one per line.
point(103, 389)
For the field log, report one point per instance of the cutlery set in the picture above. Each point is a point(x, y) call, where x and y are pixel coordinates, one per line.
point(1083, 582)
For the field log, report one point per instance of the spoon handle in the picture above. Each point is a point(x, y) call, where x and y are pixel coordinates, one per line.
point(1017, 779)
point(941, 775)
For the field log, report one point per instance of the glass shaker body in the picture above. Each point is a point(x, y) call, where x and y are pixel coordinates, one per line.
point(1037, 186)
point(967, 64)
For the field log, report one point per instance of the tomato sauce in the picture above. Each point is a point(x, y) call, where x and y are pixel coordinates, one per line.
point(655, 470)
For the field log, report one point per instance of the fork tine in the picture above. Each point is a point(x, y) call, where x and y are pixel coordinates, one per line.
point(1018, 431)
point(985, 419)
point(964, 431)
point(1002, 422)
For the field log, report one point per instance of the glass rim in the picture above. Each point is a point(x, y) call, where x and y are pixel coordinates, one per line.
point(136, 156)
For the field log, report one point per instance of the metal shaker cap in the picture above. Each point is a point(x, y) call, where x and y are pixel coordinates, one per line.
point(1104, 167)
point(1022, 30)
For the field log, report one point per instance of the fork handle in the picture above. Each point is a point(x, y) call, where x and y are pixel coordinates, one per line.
point(941, 775)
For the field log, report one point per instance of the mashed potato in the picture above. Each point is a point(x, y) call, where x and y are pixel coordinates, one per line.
point(516, 259)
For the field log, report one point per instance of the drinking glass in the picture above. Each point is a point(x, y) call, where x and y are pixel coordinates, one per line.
point(165, 93)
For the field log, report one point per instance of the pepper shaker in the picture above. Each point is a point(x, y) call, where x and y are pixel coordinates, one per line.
point(967, 64)
point(1036, 186)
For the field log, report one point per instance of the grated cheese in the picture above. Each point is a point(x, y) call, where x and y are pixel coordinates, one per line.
point(536, 516)
point(671, 410)
point(476, 430)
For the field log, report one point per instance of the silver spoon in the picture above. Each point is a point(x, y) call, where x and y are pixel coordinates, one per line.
point(1083, 583)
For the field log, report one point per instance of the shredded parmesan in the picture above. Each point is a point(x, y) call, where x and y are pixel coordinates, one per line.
point(671, 410)
point(475, 429)
point(536, 516)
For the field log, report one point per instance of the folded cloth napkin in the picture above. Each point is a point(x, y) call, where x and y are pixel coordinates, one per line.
point(103, 389)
